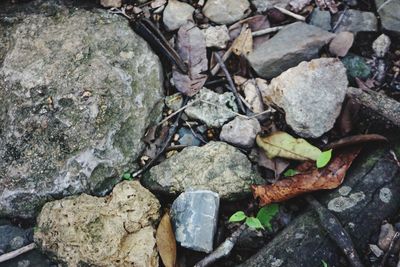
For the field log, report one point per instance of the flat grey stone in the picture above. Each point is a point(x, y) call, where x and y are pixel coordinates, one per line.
point(321, 18)
point(77, 90)
point(215, 110)
point(225, 11)
point(216, 166)
point(311, 95)
point(389, 13)
point(194, 217)
point(356, 21)
point(291, 45)
point(240, 132)
point(177, 14)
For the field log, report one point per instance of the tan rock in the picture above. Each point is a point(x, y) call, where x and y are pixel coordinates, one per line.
point(116, 230)
point(111, 3)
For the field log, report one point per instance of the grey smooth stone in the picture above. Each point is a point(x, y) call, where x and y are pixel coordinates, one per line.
point(293, 44)
point(356, 21)
point(389, 12)
point(194, 216)
point(321, 18)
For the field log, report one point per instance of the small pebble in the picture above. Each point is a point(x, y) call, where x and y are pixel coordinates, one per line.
point(381, 45)
point(240, 132)
point(216, 36)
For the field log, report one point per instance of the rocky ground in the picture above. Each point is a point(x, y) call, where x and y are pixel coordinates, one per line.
point(199, 133)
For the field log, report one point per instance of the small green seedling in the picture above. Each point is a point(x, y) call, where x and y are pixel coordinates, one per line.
point(290, 172)
point(263, 219)
point(127, 176)
point(324, 158)
point(324, 264)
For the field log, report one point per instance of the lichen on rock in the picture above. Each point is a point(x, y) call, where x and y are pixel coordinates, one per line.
point(77, 90)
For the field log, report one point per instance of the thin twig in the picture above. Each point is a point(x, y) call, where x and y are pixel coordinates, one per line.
point(230, 82)
point(167, 140)
point(195, 134)
point(177, 111)
point(390, 249)
point(336, 232)
point(266, 31)
point(217, 67)
point(290, 13)
point(16, 253)
point(223, 250)
point(339, 21)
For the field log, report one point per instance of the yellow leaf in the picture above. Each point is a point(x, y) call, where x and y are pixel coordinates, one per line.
point(243, 44)
point(281, 144)
point(166, 243)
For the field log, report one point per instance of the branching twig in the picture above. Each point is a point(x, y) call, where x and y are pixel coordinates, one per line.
point(217, 66)
point(336, 232)
point(167, 140)
point(222, 250)
point(390, 249)
point(230, 82)
point(16, 253)
point(177, 111)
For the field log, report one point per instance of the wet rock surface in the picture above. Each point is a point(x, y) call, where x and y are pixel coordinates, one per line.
point(389, 12)
point(371, 174)
point(218, 167)
point(291, 45)
point(72, 105)
point(117, 230)
point(356, 21)
point(311, 95)
point(194, 216)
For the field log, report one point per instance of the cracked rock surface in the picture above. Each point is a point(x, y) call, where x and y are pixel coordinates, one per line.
point(72, 104)
point(117, 230)
point(215, 166)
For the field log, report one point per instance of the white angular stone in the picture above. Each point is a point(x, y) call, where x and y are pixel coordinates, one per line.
point(225, 11)
point(216, 36)
point(311, 94)
point(177, 14)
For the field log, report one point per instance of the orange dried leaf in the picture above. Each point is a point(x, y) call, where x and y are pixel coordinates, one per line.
point(166, 243)
point(311, 179)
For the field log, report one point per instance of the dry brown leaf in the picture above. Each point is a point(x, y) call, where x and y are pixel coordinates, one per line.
point(165, 240)
point(356, 140)
point(191, 47)
point(310, 179)
point(341, 44)
point(276, 165)
point(243, 44)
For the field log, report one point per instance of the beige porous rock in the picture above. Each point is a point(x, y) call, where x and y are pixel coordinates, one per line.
point(117, 230)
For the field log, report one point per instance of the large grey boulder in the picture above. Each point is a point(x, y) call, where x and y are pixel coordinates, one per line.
point(117, 230)
point(293, 44)
point(389, 12)
point(215, 166)
point(77, 90)
point(311, 94)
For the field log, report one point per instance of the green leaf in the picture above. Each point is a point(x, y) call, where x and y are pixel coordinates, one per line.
point(265, 215)
point(127, 176)
point(253, 223)
point(324, 158)
point(324, 264)
point(281, 144)
point(237, 217)
point(290, 172)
